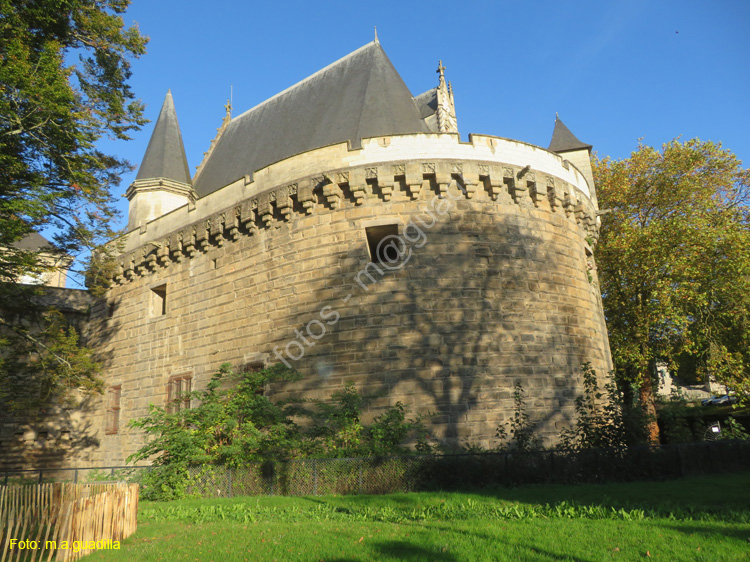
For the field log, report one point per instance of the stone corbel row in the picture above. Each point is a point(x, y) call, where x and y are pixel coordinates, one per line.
point(278, 204)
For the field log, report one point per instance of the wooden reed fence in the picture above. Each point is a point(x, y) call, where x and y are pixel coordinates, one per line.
point(63, 520)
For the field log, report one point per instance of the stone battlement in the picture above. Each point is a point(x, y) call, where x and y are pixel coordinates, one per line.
point(379, 180)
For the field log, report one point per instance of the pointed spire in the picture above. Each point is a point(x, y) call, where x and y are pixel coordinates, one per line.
point(376, 34)
point(563, 140)
point(446, 110)
point(165, 156)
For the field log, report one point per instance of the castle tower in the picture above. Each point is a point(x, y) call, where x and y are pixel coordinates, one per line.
point(163, 181)
point(575, 151)
point(343, 228)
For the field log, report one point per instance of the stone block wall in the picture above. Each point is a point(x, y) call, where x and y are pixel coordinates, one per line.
point(493, 284)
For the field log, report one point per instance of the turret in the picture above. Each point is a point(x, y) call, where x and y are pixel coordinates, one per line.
point(163, 181)
point(578, 153)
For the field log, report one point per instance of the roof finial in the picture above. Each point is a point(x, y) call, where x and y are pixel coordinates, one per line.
point(441, 69)
point(557, 115)
point(228, 107)
point(228, 115)
point(376, 34)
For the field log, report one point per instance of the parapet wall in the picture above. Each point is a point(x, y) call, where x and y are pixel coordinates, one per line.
point(414, 162)
point(377, 156)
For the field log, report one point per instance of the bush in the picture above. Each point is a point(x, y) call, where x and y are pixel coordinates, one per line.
point(521, 435)
point(234, 424)
point(603, 419)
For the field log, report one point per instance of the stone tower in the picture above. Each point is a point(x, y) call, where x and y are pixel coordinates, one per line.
point(343, 228)
point(163, 181)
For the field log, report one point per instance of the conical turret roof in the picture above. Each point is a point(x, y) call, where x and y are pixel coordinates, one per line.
point(358, 96)
point(563, 140)
point(165, 155)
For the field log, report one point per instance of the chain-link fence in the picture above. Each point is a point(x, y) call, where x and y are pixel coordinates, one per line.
point(430, 472)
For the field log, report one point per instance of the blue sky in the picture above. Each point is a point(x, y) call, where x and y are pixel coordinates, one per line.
point(614, 71)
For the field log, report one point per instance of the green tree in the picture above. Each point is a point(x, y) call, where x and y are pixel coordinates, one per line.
point(674, 262)
point(64, 70)
point(231, 423)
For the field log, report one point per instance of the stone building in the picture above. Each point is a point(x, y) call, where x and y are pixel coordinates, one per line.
point(56, 264)
point(49, 434)
point(343, 228)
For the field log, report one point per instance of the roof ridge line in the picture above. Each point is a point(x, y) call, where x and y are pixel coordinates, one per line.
point(307, 79)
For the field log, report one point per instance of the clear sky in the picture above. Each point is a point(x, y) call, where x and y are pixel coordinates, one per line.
point(614, 71)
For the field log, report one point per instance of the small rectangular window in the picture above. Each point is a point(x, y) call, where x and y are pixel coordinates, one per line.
point(383, 243)
point(178, 393)
point(113, 410)
point(159, 300)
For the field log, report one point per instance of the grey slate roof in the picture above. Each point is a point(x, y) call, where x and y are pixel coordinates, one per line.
point(563, 140)
point(33, 242)
point(358, 96)
point(426, 102)
point(165, 155)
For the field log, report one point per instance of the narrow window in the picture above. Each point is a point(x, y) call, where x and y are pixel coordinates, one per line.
point(384, 243)
point(159, 300)
point(113, 410)
point(178, 393)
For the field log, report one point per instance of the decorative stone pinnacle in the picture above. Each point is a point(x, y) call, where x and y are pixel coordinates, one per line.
point(228, 116)
point(446, 111)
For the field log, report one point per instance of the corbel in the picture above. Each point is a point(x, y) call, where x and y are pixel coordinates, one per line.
point(233, 224)
point(305, 195)
point(248, 215)
point(331, 190)
point(217, 229)
point(357, 184)
point(264, 208)
point(175, 246)
point(414, 179)
point(443, 177)
point(385, 182)
point(283, 202)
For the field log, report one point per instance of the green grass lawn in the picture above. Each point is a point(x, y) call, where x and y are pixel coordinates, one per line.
point(701, 519)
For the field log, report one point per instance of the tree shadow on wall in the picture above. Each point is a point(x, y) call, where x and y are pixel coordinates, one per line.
point(474, 304)
point(48, 428)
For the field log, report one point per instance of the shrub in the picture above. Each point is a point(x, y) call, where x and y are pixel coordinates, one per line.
point(521, 435)
point(603, 419)
point(234, 424)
